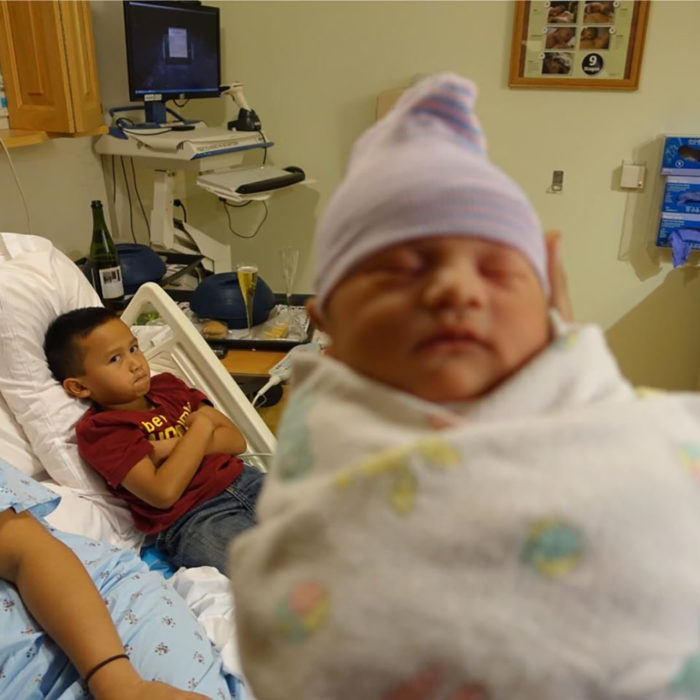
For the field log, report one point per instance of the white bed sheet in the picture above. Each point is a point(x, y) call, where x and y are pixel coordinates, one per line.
point(207, 593)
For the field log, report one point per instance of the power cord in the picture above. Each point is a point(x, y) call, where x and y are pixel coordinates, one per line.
point(149, 133)
point(259, 399)
point(19, 186)
point(128, 196)
point(138, 196)
point(129, 127)
point(114, 184)
point(264, 138)
point(178, 203)
point(227, 205)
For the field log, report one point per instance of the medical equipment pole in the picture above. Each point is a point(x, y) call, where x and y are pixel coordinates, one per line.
point(183, 238)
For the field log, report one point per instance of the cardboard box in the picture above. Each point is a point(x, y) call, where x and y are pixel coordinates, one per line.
point(681, 156)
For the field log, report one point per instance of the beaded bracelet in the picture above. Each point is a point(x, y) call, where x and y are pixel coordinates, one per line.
point(95, 669)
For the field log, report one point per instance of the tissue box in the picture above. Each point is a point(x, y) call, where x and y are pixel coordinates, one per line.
point(681, 156)
point(673, 222)
point(682, 195)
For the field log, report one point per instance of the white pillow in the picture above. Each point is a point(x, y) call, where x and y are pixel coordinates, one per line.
point(37, 283)
point(93, 517)
point(14, 446)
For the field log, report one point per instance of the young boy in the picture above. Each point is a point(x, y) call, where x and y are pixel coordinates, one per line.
point(469, 501)
point(155, 441)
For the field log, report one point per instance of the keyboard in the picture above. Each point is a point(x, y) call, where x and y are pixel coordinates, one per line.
point(249, 180)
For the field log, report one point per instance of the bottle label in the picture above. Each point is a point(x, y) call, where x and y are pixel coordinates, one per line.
point(111, 282)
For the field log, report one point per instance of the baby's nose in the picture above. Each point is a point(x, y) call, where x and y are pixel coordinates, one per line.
point(456, 283)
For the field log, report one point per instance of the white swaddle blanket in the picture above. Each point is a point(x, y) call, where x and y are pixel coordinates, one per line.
point(541, 543)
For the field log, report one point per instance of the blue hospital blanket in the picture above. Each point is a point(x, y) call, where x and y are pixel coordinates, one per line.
point(160, 634)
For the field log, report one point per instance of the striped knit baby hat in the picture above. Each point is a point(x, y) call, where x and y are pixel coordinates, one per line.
point(422, 171)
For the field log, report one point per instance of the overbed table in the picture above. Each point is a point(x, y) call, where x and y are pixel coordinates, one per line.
point(258, 362)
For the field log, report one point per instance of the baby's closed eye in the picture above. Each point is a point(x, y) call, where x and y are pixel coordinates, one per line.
point(504, 267)
point(400, 263)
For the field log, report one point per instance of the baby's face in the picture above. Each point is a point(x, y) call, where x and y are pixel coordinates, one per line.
point(444, 318)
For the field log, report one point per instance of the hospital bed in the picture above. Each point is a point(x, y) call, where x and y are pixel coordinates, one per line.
point(38, 282)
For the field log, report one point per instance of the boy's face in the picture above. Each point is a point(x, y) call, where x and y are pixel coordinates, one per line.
point(444, 318)
point(115, 372)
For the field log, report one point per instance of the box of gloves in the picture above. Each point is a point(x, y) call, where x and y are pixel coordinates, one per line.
point(681, 154)
point(681, 223)
point(681, 195)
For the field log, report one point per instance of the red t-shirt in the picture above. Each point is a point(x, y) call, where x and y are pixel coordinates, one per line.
point(112, 442)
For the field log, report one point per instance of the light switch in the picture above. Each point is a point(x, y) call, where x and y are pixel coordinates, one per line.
point(632, 176)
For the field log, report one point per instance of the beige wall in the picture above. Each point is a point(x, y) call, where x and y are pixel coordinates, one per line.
point(312, 70)
point(59, 179)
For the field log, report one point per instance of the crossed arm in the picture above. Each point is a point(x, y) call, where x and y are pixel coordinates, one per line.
point(161, 478)
point(58, 592)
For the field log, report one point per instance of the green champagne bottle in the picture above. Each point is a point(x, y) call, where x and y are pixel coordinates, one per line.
point(104, 259)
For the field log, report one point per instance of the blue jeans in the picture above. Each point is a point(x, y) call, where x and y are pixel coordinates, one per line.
point(201, 536)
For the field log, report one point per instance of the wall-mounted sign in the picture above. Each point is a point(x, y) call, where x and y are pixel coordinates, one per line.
point(578, 44)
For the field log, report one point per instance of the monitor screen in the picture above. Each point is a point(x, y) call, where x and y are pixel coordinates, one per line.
point(172, 50)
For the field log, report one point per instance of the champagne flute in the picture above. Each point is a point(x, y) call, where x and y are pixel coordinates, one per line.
point(247, 274)
point(289, 257)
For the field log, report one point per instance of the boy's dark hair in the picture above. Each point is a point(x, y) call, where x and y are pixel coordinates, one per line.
point(62, 352)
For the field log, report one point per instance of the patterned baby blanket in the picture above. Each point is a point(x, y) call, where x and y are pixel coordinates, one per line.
point(540, 543)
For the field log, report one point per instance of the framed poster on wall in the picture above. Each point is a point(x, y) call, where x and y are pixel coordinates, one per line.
point(578, 44)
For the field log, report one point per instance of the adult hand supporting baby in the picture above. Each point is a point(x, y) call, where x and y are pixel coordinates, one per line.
point(561, 301)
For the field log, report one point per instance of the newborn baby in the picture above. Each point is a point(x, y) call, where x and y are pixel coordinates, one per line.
point(468, 502)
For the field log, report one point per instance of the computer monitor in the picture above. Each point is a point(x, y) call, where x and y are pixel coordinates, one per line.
point(172, 51)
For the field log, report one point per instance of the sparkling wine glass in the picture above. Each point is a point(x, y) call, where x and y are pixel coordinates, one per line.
point(247, 274)
point(289, 257)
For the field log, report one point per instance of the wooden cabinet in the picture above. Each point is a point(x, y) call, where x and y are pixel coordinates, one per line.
point(47, 58)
